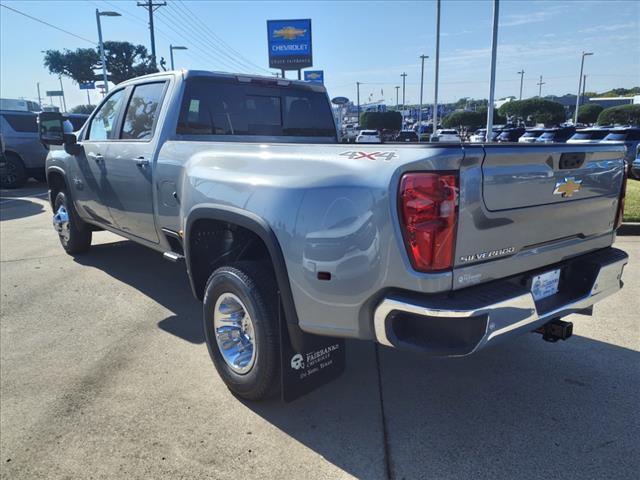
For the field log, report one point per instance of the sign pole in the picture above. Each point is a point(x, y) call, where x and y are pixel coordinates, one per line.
point(299, 76)
point(88, 99)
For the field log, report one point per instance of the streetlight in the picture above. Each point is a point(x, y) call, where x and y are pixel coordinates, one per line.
point(521, 73)
point(584, 54)
point(397, 101)
point(434, 116)
point(422, 57)
point(404, 77)
point(102, 59)
point(171, 49)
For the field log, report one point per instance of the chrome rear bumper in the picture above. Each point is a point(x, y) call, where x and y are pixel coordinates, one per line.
point(481, 316)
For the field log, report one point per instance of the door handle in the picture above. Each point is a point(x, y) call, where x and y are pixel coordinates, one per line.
point(141, 162)
point(97, 157)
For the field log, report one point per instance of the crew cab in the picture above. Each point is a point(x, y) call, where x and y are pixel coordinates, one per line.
point(440, 248)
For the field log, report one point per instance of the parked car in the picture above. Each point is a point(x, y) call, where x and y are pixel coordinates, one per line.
point(77, 120)
point(589, 135)
point(24, 154)
point(406, 136)
point(635, 166)
point(530, 135)
point(511, 134)
point(368, 136)
point(556, 135)
point(288, 236)
point(480, 134)
point(630, 136)
point(447, 135)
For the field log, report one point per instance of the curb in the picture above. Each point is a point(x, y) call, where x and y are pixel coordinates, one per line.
point(629, 228)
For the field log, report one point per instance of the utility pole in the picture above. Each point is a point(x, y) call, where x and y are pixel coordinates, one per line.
point(39, 98)
point(422, 57)
point(437, 70)
point(540, 83)
point(404, 77)
point(521, 73)
point(358, 94)
point(584, 54)
point(494, 51)
point(397, 101)
point(152, 7)
point(64, 101)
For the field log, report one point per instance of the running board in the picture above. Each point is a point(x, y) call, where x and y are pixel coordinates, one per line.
point(173, 257)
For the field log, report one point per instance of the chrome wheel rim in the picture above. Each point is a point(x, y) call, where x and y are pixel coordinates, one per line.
point(235, 334)
point(62, 223)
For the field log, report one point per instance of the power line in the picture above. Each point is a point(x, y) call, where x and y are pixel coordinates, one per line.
point(206, 39)
point(221, 41)
point(48, 24)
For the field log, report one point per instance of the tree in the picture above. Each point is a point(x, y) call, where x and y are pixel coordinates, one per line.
point(76, 65)
point(622, 114)
point(381, 120)
point(83, 109)
point(535, 110)
point(589, 112)
point(465, 119)
point(124, 61)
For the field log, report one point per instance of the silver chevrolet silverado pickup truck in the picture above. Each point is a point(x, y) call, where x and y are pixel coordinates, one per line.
point(441, 248)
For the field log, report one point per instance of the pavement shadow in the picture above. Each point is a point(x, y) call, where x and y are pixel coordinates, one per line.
point(164, 282)
point(524, 410)
point(19, 208)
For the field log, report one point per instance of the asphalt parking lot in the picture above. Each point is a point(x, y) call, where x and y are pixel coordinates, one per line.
point(104, 373)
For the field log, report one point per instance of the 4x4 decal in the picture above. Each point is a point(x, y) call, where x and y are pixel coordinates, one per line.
point(355, 155)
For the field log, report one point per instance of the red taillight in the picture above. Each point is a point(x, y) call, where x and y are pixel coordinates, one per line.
point(623, 193)
point(428, 212)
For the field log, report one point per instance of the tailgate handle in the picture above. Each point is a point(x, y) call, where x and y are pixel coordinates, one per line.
point(571, 160)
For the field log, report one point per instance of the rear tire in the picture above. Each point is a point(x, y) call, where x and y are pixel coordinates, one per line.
point(243, 299)
point(74, 233)
point(13, 173)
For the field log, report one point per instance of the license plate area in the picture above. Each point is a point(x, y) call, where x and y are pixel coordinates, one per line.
point(545, 284)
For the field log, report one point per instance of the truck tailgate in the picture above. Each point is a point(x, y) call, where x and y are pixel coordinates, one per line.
point(526, 206)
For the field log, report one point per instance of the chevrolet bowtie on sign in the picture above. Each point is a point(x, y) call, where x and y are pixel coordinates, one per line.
point(289, 44)
point(568, 187)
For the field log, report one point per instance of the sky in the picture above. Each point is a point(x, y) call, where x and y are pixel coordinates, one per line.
point(353, 41)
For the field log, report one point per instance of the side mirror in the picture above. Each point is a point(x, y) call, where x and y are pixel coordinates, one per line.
point(51, 128)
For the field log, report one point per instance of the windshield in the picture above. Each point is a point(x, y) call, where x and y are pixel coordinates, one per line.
point(532, 134)
point(547, 135)
point(449, 132)
point(589, 135)
point(369, 133)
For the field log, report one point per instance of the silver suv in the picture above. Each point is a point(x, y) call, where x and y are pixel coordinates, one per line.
point(24, 153)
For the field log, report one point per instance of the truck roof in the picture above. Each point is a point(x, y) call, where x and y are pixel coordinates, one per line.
point(241, 77)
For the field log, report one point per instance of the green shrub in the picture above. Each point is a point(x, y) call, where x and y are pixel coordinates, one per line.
point(535, 110)
point(622, 114)
point(381, 120)
point(589, 113)
point(83, 109)
point(464, 119)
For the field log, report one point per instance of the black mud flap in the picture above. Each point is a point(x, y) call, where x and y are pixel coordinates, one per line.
point(321, 361)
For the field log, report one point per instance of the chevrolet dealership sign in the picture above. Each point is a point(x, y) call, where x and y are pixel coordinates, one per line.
point(289, 44)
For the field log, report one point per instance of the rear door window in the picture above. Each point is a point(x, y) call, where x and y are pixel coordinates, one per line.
point(213, 106)
point(142, 111)
point(22, 123)
point(103, 122)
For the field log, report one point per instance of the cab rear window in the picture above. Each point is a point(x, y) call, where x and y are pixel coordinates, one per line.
point(212, 106)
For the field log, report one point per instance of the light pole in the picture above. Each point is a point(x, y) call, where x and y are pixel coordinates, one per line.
point(521, 73)
point(422, 57)
point(171, 49)
point(584, 54)
point(397, 101)
point(358, 95)
point(584, 87)
point(540, 83)
point(494, 51)
point(64, 101)
point(102, 58)
point(437, 70)
point(404, 77)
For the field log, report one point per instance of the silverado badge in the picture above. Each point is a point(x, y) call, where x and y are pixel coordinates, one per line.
point(568, 187)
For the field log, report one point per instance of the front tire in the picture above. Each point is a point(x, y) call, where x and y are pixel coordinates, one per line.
point(13, 173)
point(241, 328)
point(74, 233)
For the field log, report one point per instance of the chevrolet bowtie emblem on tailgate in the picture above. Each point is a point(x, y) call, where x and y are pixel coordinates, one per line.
point(568, 187)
